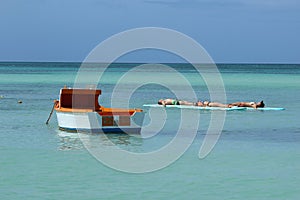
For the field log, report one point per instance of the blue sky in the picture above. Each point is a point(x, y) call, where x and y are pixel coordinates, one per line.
point(232, 31)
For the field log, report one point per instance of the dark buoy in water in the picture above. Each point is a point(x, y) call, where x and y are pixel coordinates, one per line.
point(20, 101)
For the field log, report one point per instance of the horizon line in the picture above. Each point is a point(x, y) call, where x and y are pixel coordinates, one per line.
point(126, 62)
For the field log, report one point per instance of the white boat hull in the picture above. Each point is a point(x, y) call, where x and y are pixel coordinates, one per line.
point(93, 122)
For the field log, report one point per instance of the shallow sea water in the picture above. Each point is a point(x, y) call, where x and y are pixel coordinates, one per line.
point(256, 157)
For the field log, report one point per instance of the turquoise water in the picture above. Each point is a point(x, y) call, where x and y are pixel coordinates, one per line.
point(256, 157)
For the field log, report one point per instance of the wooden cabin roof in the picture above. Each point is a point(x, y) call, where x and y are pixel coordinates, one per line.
point(79, 98)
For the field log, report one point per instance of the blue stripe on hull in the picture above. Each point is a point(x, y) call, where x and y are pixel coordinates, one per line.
point(104, 130)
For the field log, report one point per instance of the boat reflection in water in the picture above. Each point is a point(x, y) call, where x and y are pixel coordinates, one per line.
point(77, 141)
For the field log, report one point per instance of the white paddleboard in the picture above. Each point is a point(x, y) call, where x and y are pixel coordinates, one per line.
point(210, 108)
point(266, 108)
point(194, 107)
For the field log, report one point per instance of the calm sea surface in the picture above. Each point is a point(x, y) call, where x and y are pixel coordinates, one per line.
point(256, 157)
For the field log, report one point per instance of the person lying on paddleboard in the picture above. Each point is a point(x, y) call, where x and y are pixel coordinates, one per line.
point(238, 104)
point(211, 104)
point(248, 104)
point(165, 102)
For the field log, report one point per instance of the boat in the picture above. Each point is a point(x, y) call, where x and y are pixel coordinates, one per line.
point(79, 110)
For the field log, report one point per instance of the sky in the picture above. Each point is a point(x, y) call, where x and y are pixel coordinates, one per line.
point(231, 31)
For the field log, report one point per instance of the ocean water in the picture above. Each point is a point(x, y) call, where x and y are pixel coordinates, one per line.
point(256, 157)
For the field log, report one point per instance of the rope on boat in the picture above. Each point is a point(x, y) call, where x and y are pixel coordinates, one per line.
point(47, 122)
